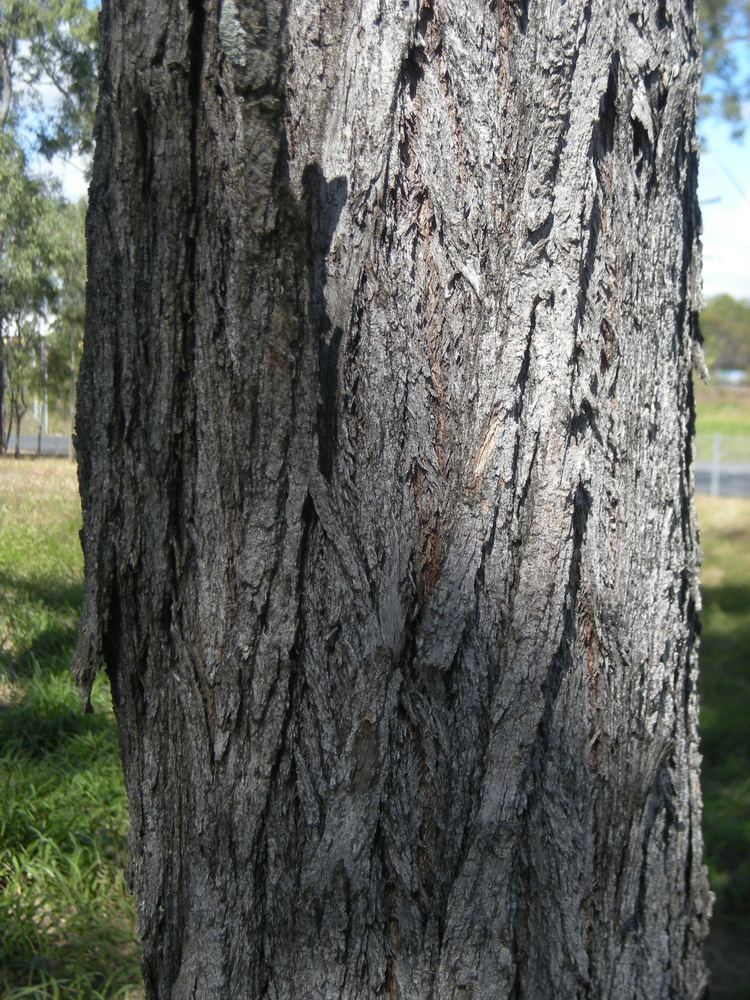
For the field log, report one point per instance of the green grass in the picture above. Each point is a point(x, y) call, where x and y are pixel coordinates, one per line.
point(725, 736)
point(66, 922)
point(723, 410)
point(725, 695)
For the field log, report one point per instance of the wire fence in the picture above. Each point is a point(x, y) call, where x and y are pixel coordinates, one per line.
point(722, 465)
point(46, 444)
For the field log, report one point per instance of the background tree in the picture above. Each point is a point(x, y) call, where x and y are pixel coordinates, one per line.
point(385, 439)
point(24, 367)
point(45, 45)
point(29, 249)
point(49, 43)
point(725, 32)
point(65, 340)
point(725, 324)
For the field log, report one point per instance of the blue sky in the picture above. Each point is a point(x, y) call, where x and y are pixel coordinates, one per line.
point(724, 190)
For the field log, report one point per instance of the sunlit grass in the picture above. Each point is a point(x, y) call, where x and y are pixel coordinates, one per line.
point(723, 410)
point(66, 921)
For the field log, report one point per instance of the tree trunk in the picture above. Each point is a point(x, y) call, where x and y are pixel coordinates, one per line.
point(19, 411)
point(385, 434)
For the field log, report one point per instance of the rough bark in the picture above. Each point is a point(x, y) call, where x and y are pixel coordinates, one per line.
point(385, 447)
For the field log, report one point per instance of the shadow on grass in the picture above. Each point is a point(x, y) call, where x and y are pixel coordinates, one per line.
point(40, 623)
point(53, 646)
point(725, 680)
point(46, 715)
point(725, 743)
point(53, 593)
point(37, 728)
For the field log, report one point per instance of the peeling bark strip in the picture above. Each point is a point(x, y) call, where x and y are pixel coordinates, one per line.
point(385, 434)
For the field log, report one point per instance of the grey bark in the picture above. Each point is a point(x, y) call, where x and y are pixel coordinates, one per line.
point(6, 79)
point(385, 447)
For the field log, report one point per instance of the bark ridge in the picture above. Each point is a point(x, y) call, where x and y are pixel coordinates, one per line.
point(385, 450)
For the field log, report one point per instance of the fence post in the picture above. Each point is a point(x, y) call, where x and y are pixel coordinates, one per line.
point(716, 466)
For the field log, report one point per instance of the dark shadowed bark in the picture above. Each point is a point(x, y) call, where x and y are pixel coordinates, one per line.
point(385, 446)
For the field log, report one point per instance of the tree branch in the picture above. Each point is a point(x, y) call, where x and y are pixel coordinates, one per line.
point(7, 86)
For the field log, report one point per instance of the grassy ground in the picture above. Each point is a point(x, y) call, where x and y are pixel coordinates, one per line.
point(725, 731)
point(723, 410)
point(66, 923)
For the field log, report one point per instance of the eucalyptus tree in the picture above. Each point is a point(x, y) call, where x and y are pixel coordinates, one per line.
point(47, 95)
point(725, 324)
point(48, 50)
point(23, 351)
point(385, 445)
point(65, 339)
point(29, 283)
point(725, 36)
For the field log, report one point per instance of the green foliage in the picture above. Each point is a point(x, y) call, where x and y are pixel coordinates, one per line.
point(49, 42)
point(725, 324)
point(67, 924)
point(725, 26)
point(45, 45)
point(42, 257)
point(65, 341)
point(23, 348)
point(28, 236)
